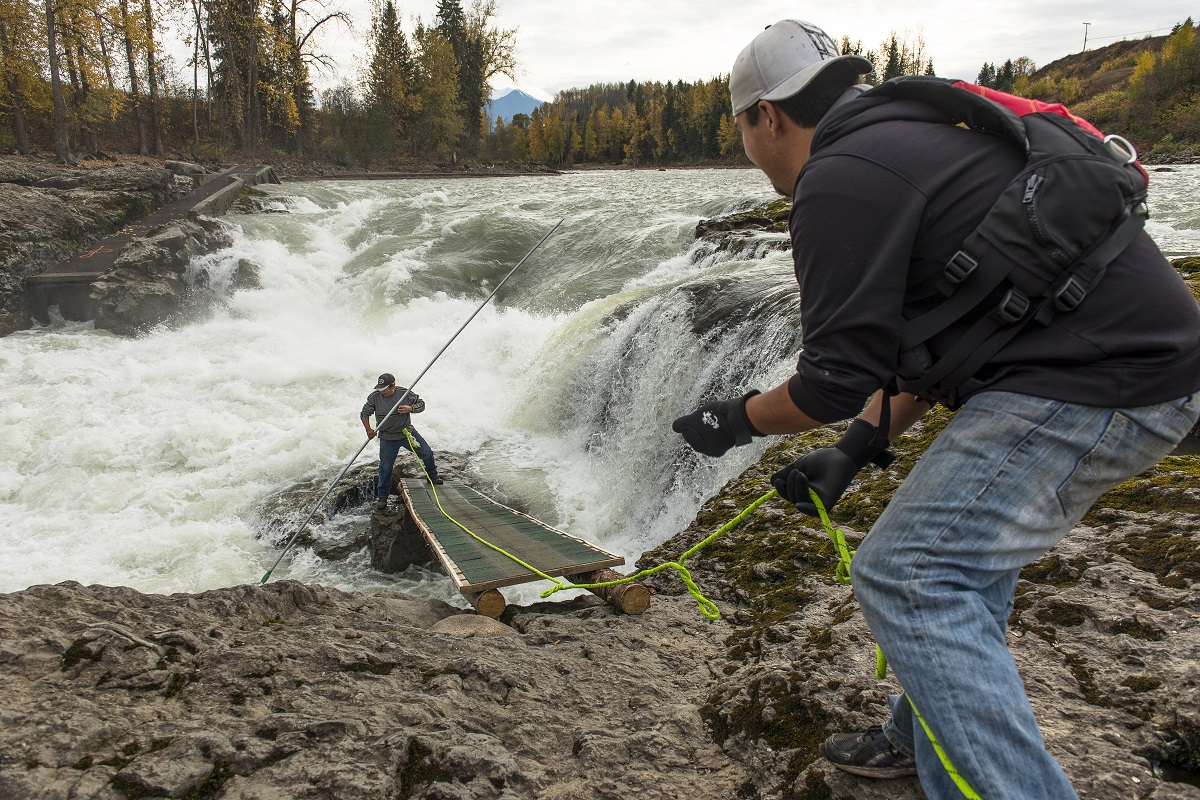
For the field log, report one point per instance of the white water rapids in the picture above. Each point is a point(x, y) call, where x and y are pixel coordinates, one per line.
point(143, 462)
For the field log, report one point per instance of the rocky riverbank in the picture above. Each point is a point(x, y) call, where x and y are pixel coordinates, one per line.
point(50, 213)
point(288, 690)
point(296, 691)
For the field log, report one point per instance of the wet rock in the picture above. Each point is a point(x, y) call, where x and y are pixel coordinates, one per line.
point(282, 513)
point(758, 291)
point(300, 691)
point(771, 217)
point(396, 542)
point(246, 275)
point(185, 168)
point(130, 178)
point(49, 214)
point(149, 283)
point(389, 535)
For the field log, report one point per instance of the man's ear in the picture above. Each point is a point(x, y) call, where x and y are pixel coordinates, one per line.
point(772, 116)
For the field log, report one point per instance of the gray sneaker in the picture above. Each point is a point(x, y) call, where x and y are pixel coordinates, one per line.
point(868, 754)
point(381, 504)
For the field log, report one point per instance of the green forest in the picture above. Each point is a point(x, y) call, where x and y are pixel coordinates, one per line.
point(86, 79)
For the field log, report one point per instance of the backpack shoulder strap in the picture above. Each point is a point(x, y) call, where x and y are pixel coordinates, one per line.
point(960, 105)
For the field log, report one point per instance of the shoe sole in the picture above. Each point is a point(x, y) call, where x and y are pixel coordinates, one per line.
point(879, 773)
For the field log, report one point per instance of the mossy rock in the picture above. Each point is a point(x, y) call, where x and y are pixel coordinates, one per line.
point(1189, 265)
point(1163, 550)
point(764, 536)
point(771, 216)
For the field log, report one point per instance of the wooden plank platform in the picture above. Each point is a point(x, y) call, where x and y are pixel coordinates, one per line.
point(475, 567)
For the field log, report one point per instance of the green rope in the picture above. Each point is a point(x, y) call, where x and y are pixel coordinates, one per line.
point(707, 607)
point(954, 774)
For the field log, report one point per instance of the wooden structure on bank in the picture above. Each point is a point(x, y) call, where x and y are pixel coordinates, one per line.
point(479, 572)
point(68, 284)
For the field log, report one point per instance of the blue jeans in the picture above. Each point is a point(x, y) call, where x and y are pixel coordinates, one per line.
point(1008, 477)
point(389, 449)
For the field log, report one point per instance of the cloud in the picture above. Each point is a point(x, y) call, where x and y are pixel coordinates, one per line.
point(565, 45)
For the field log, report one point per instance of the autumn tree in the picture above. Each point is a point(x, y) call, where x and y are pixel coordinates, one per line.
point(84, 33)
point(439, 127)
point(305, 20)
point(153, 79)
point(22, 31)
point(490, 52)
point(902, 55)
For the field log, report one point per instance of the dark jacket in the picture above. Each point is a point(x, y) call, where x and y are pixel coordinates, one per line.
point(888, 195)
point(379, 405)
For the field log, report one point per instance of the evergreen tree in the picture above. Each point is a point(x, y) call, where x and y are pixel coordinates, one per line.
point(987, 75)
point(439, 125)
point(390, 75)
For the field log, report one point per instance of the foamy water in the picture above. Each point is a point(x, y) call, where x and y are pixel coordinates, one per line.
point(143, 462)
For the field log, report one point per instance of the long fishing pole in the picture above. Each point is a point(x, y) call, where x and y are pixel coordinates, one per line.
point(400, 402)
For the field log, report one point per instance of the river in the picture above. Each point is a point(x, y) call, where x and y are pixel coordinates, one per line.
point(144, 462)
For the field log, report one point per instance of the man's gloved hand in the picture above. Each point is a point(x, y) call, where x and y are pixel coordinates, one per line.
point(716, 427)
point(829, 470)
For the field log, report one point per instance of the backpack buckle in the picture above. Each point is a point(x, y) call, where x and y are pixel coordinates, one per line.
point(1012, 308)
point(959, 268)
point(1069, 295)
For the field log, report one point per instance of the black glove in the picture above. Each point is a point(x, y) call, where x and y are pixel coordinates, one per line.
point(715, 427)
point(830, 470)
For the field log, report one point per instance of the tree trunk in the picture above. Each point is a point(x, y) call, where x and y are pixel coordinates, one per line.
point(628, 598)
point(152, 85)
point(108, 62)
point(490, 603)
point(87, 141)
point(252, 100)
point(196, 84)
point(62, 137)
point(20, 126)
point(134, 93)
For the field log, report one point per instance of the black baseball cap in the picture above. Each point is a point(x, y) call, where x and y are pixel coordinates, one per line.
point(385, 380)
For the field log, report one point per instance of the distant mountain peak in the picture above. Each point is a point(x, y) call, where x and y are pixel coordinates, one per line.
point(509, 103)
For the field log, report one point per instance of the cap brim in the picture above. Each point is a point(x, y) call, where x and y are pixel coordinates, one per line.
point(851, 66)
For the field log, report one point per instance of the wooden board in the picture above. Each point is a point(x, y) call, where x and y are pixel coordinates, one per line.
point(475, 567)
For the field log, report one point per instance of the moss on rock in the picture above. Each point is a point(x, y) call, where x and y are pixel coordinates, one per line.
point(1189, 265)
point(1163, 551)
point(771, 216)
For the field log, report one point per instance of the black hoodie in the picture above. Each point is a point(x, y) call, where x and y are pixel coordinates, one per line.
point(888, 195)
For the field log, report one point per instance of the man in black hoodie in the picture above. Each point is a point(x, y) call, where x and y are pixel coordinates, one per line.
point(884, 194)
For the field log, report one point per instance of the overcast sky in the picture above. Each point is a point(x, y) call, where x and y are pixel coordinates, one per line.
point(574, 43)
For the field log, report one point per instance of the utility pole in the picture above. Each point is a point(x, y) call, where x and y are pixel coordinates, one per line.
point(1085, 32)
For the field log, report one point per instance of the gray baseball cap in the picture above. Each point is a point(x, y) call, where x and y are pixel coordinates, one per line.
point(782, 60)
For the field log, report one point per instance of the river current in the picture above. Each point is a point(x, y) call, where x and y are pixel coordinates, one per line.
point(144, 462)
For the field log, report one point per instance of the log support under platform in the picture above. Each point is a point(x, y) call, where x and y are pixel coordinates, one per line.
point(489, 604)
point(628, 598)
